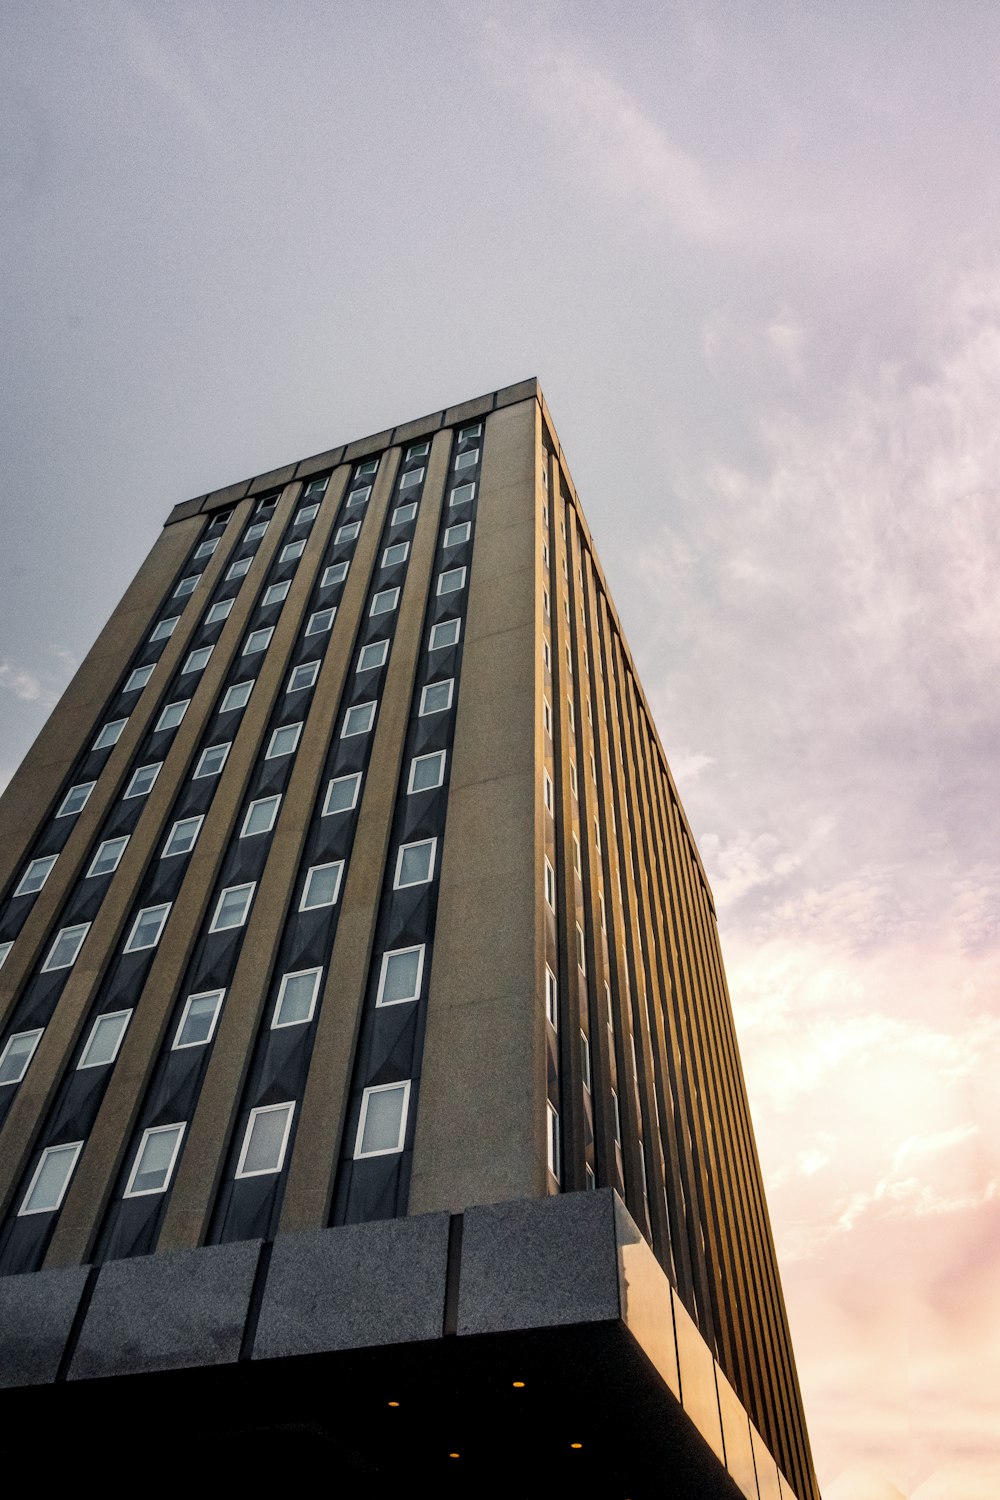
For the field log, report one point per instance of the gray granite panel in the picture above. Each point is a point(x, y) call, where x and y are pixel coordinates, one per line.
point(538, 1262)
point(167, 1312)
point(36, 1315)
point(355, 1287)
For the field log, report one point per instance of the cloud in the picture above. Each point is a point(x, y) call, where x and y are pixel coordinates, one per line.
point(22, 684)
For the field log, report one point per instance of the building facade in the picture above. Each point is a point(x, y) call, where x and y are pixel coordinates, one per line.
point(362, 1002)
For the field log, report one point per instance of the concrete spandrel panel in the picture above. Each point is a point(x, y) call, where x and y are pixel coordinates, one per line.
point(645, 1298)
point(539, 1263)
point(699, 1396)
point(36, 1316)
point(736, 1436)
point(355, 1287)
point(768, 1483)
point(167, 1312)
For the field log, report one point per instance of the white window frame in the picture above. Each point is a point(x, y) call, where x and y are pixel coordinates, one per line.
point(389, 562)
point(466, 460)
point(436, 645)
point(418, 450)
point(551, 999)
point(466, 434)
point(460, 573)
point(5, 951)
point(334, 574)
point(48, 967)
point(239, 569)
point(292, 551)
point(383, 1088)
point(113, 728)
point(178, 703)
point(220, 610)
point(49, 861)
point(86, 787)
point(451, 540)
point(295, 730)
point(266, 1109)
point(547, 793)
point(316, 486)
point(132, 1192)
point(350, 734)
point(255, 532)
point(329, 812)
point(449, 683)
point(205, 549)
point(384, 594)
point(225, 707)
point(330, 864)
point(225, 746)
point(191, 665)
point(93, 874)
point(574, 785)
point(275, 800)
point(581, 949)
point(245, 885)
point(276, 593)
point(369, 645)
point(401, 851)
point(191, 580)
point(585, 1063)
point(124, 1016)
point(577, 856)
point(358, 497)
point(411, 478)
point(389, 954)
point(155, 766)
point(399, 519)
point(164, 629)
point(197, 819)
point(365, 470)
point(306, 513)
point(35, 1034)
point(550, 886)
point(346, 533)
point(303, 666)
point(218, 995)
point(441, 756)
point(50, 1208)
point(553, 1140)
point(143, 674)
point(312, 628)
point(460, 497)
point(161, 907)
point(249, 649)
point(317, 976)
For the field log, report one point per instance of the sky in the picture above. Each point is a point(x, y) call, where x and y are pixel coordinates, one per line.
point(752, 252)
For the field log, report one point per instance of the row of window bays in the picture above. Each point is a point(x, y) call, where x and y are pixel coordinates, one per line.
point(297, 991)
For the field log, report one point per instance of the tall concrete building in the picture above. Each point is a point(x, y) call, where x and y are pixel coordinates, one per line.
point(368, 1079)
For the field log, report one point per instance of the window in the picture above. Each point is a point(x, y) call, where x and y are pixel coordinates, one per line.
point(591, 1179)
point(359, 720)
point(617, 1117)
point(5, 949)
point(404, 513)
point(256, 531)
point(109, 735)
point(550, 885)
point(551, 999)
point(342, 794)
point(182, 836)
point(546, 605)
point(426, 772)
point(382, 1126)
point(597, 835)
point(147, 928)
point(35, 875)
point(456, 535)
point(105, 1039)
point(50, 1178)
point(137, 679)
point(436, 697)
point(232, 907)
point(239, 569)
point(573, 786)
point(163, 629)
point(322, 885)
point(172, 714)
point(468, 459)
point(400, 975)
point(266, 1140)
point(283, 741)
point(154, 1160)
point(552, 1138)
point(581, 956)
point(348, 531)
point(260, 816)
point(198, 1018)
point(266, 505)
point(207, 548)
point(604, 917)
point(76, 799)
point(296, 998)
point(415, 863)
point(593, 767)
point(306, 514)
point(321, 621)
point(418, 450)
point(547, 789)
point(290, 551)
point(384, 602)
point(219, 611)
point(142, 780)
point(236, 696)
point(547, 715)
point(451, 581)
point(366, 469)
point(396, 554)
point(572, 713)
point(258, 640)
point(467, 433)
point(303, 676)
point(108, 856)
point(585, 1059)
point(414, 476)
point(462, 494)
point(318, 486)
point(358, 497)
point(17, 1054)
point(577, 864)
point(68, 942)
point(198, 659)
point(187, 585)
point(445, 634)
point(373, 655)
point(274, 593)
point(335, 573)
